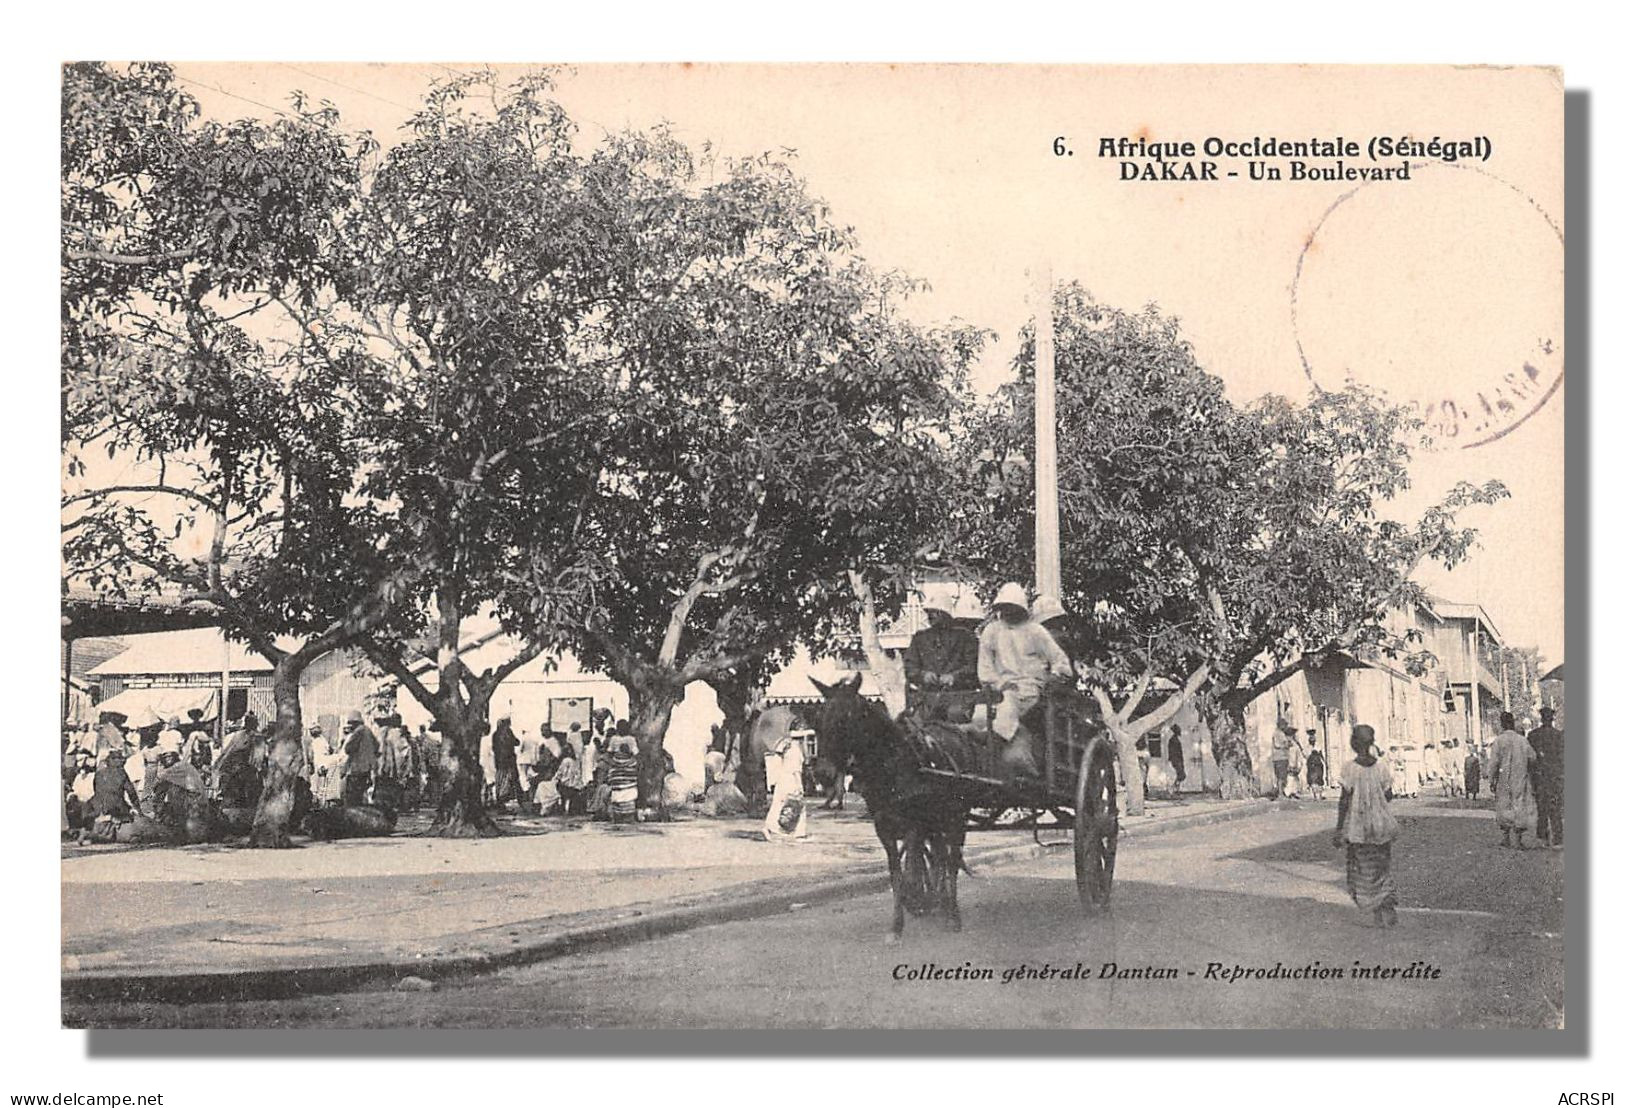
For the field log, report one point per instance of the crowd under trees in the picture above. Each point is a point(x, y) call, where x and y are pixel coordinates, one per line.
point(649, 407)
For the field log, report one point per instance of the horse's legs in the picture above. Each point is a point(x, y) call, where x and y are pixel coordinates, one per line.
point(916, 870)
point(887, 834)
point(953, 857)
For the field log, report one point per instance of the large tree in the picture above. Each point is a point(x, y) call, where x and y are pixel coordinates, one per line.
point(475, 265)
point(1151, 456)
point(768, 415)
point(1326, 562)
point(1206, 547)
point(190, 249)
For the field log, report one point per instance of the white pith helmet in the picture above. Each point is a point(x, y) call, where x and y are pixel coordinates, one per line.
point(1012, 594)
point(1046, 607)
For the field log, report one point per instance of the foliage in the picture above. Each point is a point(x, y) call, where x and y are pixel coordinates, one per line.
point(767, 421)
point(1525, 694)
point(193, 253)
point(1154, 463)
point(229, 452)
point(1201, 540)
point(1327, 564)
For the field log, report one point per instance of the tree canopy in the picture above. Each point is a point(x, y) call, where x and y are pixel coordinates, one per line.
point(651, 406)
point(1201, 540)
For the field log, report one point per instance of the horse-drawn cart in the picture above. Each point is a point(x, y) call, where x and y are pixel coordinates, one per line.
point(949, 740)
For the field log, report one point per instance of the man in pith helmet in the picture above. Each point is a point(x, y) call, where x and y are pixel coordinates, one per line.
point(1017, 658)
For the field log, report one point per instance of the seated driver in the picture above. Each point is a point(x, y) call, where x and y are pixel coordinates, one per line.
point(1017, 658)
point(941, 658)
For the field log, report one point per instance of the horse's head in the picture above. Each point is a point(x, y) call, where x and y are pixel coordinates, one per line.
point(850, 728)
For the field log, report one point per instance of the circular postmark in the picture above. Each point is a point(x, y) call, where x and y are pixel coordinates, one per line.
point(1445, 292)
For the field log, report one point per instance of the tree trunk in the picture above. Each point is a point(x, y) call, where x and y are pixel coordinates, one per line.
point(1128, 763)
point(653, 699)
point(1227, 731)
point(734, 701)
point(462, 813)
point(285, 761)
point(886, 672)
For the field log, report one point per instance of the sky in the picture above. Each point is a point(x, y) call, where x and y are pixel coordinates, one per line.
point(1439, 289)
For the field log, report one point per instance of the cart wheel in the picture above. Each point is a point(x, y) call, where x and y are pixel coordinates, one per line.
point(1094, 837)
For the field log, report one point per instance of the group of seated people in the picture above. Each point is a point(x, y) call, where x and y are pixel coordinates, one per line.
point(582, 771)
point(173, 782)
point(168, 799)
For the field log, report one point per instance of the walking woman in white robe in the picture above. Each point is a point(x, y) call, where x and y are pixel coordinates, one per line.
point(1511, 768)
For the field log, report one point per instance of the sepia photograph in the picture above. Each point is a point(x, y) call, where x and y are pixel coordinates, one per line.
point(813, 546)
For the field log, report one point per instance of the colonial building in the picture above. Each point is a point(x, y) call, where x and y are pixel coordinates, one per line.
point(1456, 698)
point(165, 675)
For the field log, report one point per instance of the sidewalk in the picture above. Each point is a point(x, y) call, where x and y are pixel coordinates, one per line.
point(227, 922)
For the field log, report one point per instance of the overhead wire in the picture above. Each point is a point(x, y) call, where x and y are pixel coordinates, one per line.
point(343, 85)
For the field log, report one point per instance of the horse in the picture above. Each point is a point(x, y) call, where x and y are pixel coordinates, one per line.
point(920, 822)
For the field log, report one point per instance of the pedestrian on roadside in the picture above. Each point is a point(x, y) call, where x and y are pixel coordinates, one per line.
point(787, 813)
point(586, 751)
point(622, 755)
point(327, 768)
point(1547, 742)
point(530, 746)
point(1512, 766)
point(1281, 745)
point(1176, 755)
point(505, 756)
point(1366, 827)
point(1471, 769)
point(549, 759)
point(396, 778)
point(434, 773)
point(1315, 769)
point(1294, 769)
point(237, 783)
point(1397, 762)
point(1413, 771)
point(113, 802)
point(568, 780)
point(172, 738)
point(360, 759)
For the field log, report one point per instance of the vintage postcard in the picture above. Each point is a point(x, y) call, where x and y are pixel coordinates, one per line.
point(812, 546)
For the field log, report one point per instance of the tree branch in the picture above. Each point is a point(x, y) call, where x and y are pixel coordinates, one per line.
point(168, 490)
point(492, 679)
point(1169, 708)
point(129, 259)
point(392, 664)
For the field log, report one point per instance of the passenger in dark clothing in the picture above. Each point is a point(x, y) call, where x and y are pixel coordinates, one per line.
point(941, 657)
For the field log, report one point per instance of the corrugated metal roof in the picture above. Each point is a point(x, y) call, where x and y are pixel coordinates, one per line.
point(195, 651)
point(88, 653)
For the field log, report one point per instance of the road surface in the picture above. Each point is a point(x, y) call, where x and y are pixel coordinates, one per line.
point(1197, 916)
